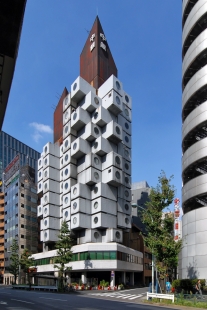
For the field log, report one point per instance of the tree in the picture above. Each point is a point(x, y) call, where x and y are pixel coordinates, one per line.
point(14, 258)
point(159, 237)
point(26, 262)
point(64, 253)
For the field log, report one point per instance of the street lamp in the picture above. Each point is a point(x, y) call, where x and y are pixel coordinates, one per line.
point(134, 205)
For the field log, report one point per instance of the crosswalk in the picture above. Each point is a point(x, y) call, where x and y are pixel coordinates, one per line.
point(119, 295)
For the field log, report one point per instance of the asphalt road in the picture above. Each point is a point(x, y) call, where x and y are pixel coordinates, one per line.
point(32, 300)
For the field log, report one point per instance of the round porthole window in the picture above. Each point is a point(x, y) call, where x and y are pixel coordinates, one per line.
point(61, 161)
point(40, 174)
point(96, 235)
point(118, 101)
point(95, 220)
point(40, 185)
point(96, 130)
point(96, 160)
point(62, 198)
point(96, 175)
point(66, 200)
point(66, 171)
point(45, 234)
point(126, 220)
point(61, 173)
point(118, 86)
point(74, 205)
point(66, 213)
point(40, 162)
point(95, 145)
point(74, 116)
point(126, 166)
point(126, 111)
point(45, 161)
point(66, 129)
point(126, 139)
point(66, 157)
point(75, 190)
point(45, 185)
point(95, 190)
point(46, 149)
point(45, 210)
point(74, 220)
point(118, 131)
point(117, 175)
point(118, 235)
point(126, 193)
point(74, 86)
point(45, 173)
point(126, 180)
point(40, 209)
point(61, 149)
point(126, 206)
point(96, 100)
point(96, 115)
point(66, 143)
point(45, 222)
point(62, 185)
point(66, 185)
point(66, 115)
point(74, 145)
point(66, 101)
point(117, 159)
point(45, 199)
point(95, 205)
point(126, 98)
point(126, 125)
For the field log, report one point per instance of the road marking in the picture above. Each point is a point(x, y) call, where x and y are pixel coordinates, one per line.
point(53, 299)
point(3, 303)
point(26, 302)
point(137, 296)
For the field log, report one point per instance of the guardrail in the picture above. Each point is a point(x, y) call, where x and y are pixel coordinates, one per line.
point(161, 296)
point(35, 287)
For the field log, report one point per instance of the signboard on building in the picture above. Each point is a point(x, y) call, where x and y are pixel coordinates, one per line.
point(11, 169)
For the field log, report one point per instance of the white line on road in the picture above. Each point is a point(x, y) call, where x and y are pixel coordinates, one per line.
point(26, 302)
point(137, 296)
point(53, 299)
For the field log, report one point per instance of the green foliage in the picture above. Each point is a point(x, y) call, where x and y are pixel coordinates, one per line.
point(26, 262)
point(104, 283)
point(187, 284)
point(14, 258)
point(160, 238)
point(64, 253)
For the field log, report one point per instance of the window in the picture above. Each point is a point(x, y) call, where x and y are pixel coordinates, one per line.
point(22, 246)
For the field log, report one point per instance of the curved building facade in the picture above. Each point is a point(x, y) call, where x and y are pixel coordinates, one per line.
point(193, 258)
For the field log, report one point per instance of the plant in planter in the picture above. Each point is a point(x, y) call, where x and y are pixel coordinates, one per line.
point(121, 286)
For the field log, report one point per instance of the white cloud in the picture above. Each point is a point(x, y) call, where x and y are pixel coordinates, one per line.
point(40, 129)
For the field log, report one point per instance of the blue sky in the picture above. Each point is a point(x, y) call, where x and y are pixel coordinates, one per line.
point(145, 41)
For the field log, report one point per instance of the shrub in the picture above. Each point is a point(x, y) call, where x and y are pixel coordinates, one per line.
point(187, 284)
